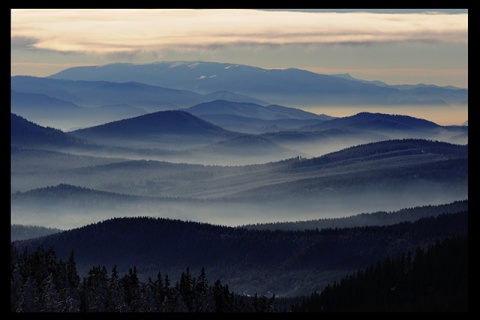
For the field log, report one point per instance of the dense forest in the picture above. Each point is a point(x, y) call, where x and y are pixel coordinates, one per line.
point(434, 279)
point(287, 263)
point(430, 280)
point(40, 282)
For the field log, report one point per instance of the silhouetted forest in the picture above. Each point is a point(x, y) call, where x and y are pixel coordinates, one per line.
point(40, 282)
point(430, 280)
point(434, 279)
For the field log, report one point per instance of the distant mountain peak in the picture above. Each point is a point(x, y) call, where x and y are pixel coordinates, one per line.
point(344, 75)
point(152, 125)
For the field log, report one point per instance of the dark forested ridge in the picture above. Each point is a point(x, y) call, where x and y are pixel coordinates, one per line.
point(434, 279)
point(365, 219)
point(287, 263)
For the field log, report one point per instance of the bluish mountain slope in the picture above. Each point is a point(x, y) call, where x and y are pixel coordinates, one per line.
point(287, 86)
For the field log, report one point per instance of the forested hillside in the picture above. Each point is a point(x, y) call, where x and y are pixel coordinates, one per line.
point(434, 279)
point(287, 263)
point(365, 219)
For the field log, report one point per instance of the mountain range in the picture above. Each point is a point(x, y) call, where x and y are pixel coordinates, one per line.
point(183, 135)
point(177, 166)
point(389, 174)
point(277, 86)
point(87, 96)
point(74, 104)
point(254, 118)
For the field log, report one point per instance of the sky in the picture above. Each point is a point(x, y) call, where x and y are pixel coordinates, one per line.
point(396, 46)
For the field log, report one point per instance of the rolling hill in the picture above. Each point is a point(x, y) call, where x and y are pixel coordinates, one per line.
point(98, 93)
point(27, 133)
point(163, 126)
point(376, 121)
point(69, 105)
point(389, 126)
point(23, 232)
point(65, 115)
point(240, 148)
point(386, 175)
point(254, 118)
point(381, 218)
point(251, 110)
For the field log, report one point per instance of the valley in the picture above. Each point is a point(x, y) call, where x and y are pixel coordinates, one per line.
point(166, 173)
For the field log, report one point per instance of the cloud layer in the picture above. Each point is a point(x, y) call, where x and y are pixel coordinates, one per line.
point(123, 31)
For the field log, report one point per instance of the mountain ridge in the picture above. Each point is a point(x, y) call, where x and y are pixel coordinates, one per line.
point(27, 133)
point(390, 174)
point(269, 112)
point(171, 122)
point(235, 255)
point(289, 86)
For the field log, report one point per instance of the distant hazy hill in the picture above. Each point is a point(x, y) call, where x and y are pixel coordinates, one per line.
point(66, 206)
point(27, 133)
point(381, 176)
point(373, 172)
point(65, 115)
point(390, 149)
point(375, 121)
point(254, 118)
point(162, 125)
point(69, 105)
point(61, 191)
point(32, 167)
point(252, 110)
point(391, 126)
point(98, 93)
point(287, 86)
point(23, 232)
point(38, 103)
point(335, 135)
point(234, 97)
point(243, 146)
point(366, 219)
point(249, 261)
